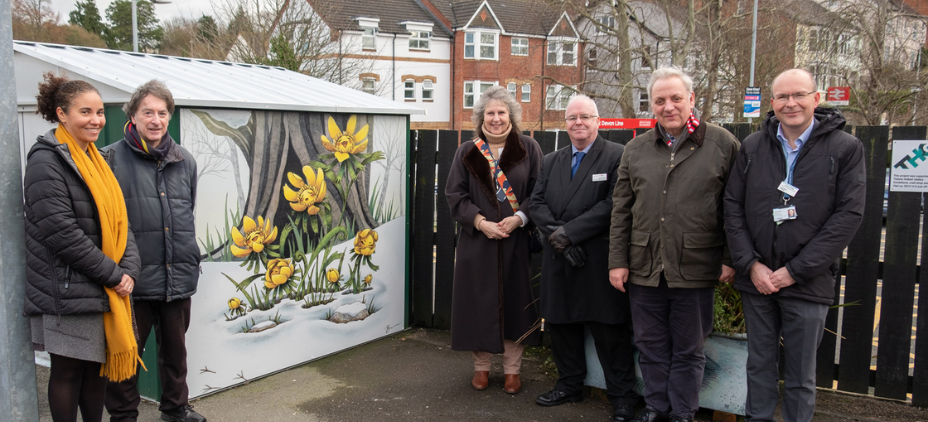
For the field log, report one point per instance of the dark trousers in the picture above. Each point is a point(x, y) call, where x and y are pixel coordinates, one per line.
point(671, 327)
point(801, 324)
point(170, 321)
point(614, 349)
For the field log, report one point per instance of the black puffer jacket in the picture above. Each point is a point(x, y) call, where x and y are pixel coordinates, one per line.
point(160, 200)
point(65, 268)
point(830, 175)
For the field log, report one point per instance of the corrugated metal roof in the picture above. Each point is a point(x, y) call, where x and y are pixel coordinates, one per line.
point(208, 83)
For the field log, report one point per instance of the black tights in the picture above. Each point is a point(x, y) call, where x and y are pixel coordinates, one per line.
point(75, 383)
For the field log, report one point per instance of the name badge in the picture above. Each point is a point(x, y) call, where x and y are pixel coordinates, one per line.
point(600, 177)
point(787, 189)
point(784, 213)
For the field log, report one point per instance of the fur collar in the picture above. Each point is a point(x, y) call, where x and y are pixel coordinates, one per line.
point(513, 154)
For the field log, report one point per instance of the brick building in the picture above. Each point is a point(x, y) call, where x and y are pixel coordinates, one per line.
point(442, 54)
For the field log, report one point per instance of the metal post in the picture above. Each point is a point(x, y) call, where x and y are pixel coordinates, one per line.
point(135, 27)
point(18, 398)
point(753, 50)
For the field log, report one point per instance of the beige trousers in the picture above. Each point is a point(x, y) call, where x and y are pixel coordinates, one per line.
point(512, 358)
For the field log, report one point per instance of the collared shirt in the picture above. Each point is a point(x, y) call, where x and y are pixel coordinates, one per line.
point(672, 141)
point(574, 151)
point(790, 153)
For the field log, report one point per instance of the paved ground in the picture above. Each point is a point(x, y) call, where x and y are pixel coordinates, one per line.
point(414, 376)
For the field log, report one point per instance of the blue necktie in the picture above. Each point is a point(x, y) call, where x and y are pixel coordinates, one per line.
point(573, 169)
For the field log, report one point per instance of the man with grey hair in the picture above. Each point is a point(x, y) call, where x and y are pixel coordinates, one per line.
point(667, 243)
point(570, 206)
point(158, 178)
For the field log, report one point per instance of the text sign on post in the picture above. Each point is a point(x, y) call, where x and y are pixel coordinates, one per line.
point(838, 95)
point(752, 101)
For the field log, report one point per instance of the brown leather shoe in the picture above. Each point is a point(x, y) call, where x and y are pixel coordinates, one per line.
point(513, 385)
point(481, 380)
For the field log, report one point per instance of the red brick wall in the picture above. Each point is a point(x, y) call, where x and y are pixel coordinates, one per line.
point(520, 69)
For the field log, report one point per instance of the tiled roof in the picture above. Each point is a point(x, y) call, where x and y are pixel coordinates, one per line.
point(343, 14)
point(530, 17)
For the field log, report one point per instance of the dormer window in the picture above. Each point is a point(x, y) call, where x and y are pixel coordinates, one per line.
point(419, 34)
point(369, 32)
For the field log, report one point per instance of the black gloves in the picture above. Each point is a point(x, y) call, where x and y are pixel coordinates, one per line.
point(558, 239)
point(575, 255)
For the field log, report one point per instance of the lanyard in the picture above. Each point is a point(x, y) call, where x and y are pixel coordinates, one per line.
point(790, 169)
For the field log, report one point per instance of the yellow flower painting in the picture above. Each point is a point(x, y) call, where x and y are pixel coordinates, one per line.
point(255, 236)
point(347, 143)
point(364, 242)
point(278, 272)
point(309, 191)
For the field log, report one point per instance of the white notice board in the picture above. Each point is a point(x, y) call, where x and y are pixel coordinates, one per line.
point(909, 172)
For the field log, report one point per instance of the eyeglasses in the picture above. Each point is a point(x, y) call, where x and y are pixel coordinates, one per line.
point(797, 96)
point(584, 117)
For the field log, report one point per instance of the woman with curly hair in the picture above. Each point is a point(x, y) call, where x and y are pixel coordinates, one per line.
point(81, 258)
point(492, 176)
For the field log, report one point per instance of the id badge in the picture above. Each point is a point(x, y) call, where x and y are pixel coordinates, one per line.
point(500, 194)
point(781, 214)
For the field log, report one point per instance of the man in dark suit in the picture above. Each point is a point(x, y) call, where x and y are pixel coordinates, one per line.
point(571, 205)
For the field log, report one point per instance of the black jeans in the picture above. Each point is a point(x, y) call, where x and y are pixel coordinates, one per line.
point(170, 321)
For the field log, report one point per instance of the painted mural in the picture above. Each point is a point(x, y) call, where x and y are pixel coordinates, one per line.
point(301, 225)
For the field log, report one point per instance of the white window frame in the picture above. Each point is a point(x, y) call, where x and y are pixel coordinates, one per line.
point(428, 90)
point(409, 92)
point(644, 101)
point(605, 21)
point(469, 92)
point(369, 38)
point(420, 39)
point(475, 40)
point(526, 93)
point(558, 55)
point(557, 96)
point(511, 87)
point(519, 46)
point(373, 85)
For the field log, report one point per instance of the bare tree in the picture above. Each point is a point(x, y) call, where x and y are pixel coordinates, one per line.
point(627, 40)
point(290, 34)
point(873, 46)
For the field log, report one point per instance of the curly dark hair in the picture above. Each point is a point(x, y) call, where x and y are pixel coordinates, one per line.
point(154, 88)
point(58, 91)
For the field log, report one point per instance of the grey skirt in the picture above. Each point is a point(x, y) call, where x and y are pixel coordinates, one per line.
point(75, 336)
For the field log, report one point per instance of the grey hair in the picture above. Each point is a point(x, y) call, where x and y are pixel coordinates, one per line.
point(670, 72)
point(154, 88)
point(502, 95)
point(581, 97)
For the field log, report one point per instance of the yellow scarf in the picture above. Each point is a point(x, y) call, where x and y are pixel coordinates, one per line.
point(121, 348)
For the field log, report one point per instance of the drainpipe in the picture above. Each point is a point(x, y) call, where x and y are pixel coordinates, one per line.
point(544, 93)
point(341, 56)
point(393, 76)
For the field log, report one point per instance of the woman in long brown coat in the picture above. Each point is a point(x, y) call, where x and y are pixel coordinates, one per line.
point(492, 304)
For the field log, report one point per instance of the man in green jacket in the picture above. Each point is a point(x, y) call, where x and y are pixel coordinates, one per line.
point(667, 243)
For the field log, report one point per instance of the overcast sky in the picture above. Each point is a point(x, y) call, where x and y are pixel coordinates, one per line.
point(184, 8)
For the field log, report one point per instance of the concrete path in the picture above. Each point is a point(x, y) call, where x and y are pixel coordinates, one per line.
point(415, 376)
